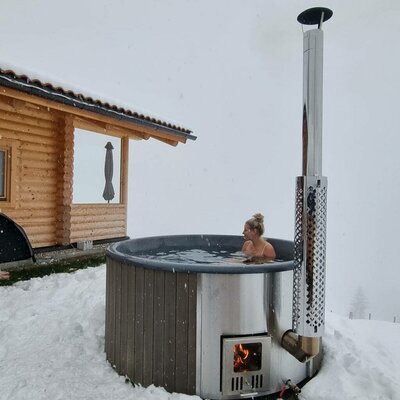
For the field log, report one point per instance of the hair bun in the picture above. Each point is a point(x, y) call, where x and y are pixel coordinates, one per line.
point(259, 218)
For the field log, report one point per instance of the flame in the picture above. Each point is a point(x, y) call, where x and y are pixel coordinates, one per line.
point(240, 357)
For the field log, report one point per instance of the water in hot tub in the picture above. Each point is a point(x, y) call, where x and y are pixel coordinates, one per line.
point(200, 256)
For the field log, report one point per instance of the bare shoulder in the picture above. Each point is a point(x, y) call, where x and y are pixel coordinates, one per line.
point(269, 250)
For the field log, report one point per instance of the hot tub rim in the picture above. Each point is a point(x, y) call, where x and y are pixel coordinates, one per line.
point(228, 268)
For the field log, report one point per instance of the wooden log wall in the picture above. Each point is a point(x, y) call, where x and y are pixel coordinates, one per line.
point(33, 133)
point(97, 221)
point(151, 326)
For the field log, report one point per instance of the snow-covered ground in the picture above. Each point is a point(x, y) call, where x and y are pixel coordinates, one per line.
point(52, 347)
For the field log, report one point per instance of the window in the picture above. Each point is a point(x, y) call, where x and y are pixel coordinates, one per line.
point(89, 167)
point(4, 173)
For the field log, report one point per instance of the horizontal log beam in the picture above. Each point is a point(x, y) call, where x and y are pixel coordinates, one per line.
point(27, 137)
point(39, 147)
point(27, 120)
point(94, 209)
point(89, 219)
point(27, 217)
point(40, 205)
point(8, 104)
point(37, 198)
point(108, 129)
point(38, 164)
point(42, 155)
point(44, 186)
point(97, 234)
point(95, 226)
point(167, 141)
point(43, 222)
point(36, 234)
point(19, 127)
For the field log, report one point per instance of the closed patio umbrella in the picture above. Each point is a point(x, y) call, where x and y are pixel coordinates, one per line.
point(108, 193)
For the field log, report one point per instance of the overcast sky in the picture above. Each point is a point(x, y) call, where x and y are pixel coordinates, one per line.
point(231, 71)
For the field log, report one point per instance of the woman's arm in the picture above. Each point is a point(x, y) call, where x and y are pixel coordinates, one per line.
point(245, 246)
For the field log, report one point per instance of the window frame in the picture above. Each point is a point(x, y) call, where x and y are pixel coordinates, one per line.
point(10, 149)
point(6, 174)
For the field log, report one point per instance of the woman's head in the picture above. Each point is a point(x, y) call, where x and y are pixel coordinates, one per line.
point(256, 223)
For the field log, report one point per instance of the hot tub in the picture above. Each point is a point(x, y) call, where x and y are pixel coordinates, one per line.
point(210, 330)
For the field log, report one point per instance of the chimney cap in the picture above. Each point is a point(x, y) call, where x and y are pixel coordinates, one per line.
point(312, 16)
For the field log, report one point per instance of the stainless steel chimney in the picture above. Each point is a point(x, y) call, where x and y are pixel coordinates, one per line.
point(308, 314)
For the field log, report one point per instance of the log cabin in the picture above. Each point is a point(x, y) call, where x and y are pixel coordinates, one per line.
point(38, 124)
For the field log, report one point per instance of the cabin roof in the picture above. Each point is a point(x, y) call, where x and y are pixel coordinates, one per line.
point(62, 95)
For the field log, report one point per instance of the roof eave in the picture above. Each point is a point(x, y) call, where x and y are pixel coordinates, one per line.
point(50, 94)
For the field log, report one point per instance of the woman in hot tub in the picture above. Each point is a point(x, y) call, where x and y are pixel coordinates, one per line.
point(255, 246)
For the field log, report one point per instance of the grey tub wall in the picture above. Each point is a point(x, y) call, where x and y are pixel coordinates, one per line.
point(151, 326)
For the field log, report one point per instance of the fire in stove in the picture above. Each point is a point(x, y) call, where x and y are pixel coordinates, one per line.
point(247, 357)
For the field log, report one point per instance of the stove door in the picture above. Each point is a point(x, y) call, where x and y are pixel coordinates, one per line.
point(245, 365)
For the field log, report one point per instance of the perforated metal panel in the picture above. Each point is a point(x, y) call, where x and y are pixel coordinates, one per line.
point(309, 256)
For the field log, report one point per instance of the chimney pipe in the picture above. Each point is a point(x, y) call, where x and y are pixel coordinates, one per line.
point(308, 314)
